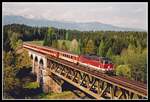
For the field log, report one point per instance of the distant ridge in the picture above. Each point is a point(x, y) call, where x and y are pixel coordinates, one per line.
point(89, 26)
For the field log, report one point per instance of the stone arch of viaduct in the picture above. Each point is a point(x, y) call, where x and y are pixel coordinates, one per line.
point(39, 65)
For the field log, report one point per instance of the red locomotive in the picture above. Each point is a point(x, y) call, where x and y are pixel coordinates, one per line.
point(102, 64)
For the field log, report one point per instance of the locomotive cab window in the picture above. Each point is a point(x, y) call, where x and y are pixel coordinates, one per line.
point(106, 62)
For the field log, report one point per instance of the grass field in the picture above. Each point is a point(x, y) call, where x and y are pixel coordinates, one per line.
point(32, 85)
point(63, 95)
point(36, 42)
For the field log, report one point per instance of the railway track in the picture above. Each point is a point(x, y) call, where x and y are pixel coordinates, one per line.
point(127, 84)
point(142, 85)
point(133, 85)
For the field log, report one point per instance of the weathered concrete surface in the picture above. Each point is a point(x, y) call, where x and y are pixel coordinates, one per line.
point(39, 66)
point(50, 85)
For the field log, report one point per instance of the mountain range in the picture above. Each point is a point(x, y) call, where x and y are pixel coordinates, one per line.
point(88, 26)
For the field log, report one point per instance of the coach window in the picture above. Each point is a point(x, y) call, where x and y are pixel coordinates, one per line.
point(100, 61)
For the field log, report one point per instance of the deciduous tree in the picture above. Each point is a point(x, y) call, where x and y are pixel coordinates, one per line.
point(102, 49)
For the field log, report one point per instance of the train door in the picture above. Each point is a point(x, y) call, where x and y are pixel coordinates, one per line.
point(103, 64)
point(57, 54)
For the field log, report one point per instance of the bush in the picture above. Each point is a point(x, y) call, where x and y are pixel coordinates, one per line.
point(123, 70)
point(32, 85)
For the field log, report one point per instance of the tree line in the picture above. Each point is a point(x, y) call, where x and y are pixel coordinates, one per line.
point(128, 50)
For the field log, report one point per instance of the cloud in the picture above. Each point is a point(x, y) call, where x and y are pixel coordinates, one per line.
point(121, 14)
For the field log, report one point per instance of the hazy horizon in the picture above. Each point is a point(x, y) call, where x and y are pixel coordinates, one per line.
point(131, 15)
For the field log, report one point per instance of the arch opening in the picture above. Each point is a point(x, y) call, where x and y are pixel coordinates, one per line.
point(36, 65)
point(41, 67)
point(41, 63)
point(36, 59)
point(31, 56)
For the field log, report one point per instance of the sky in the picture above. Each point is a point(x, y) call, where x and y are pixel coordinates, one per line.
point(131, 15)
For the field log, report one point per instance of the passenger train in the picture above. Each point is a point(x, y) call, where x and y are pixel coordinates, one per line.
point(101, 64)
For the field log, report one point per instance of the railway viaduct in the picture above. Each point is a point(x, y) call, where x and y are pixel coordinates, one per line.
point(52, 72)
point(39, 65)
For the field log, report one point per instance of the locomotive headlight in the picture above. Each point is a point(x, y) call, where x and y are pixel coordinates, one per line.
point(108, 66)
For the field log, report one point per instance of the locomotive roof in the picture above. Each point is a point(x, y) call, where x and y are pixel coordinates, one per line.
point(106, 58)
point(95, 57)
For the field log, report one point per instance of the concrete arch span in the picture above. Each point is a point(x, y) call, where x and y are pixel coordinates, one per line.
point(39, 65)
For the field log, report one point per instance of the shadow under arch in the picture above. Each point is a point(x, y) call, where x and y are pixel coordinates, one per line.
point(41, 67)
point(31, 56)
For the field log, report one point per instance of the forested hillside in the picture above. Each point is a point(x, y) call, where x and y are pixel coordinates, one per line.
point(127, 50)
